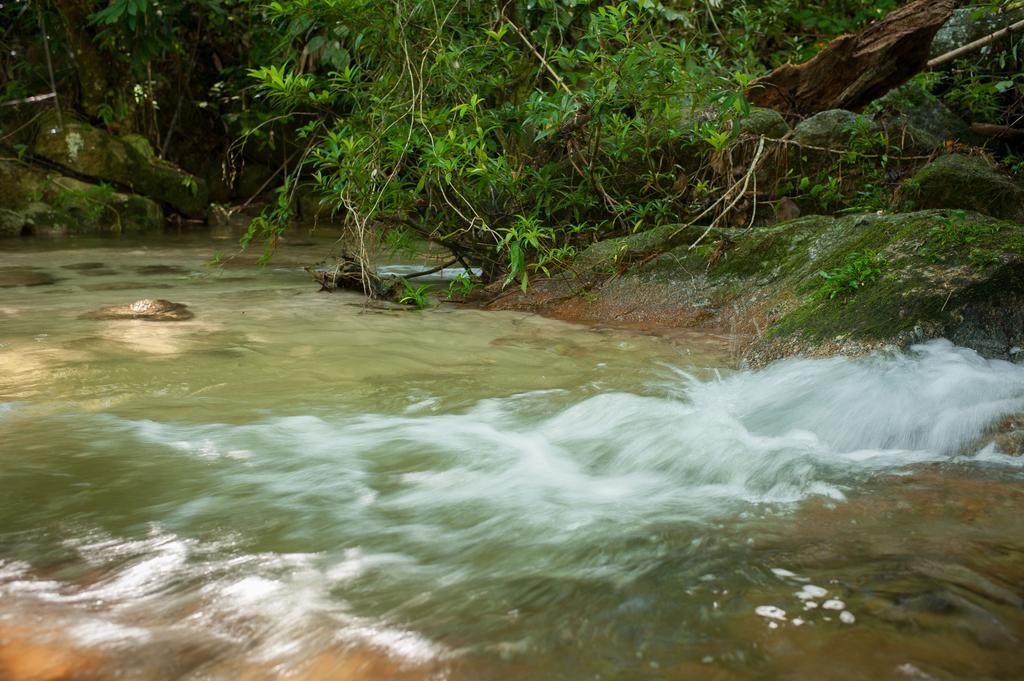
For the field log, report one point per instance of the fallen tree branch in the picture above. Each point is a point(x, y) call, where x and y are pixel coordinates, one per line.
point(434, 270)
point(975, 45)
point(997, 131)
point(854, 70)
point(751, 170)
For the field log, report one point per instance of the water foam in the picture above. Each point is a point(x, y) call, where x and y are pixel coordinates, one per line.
point(397, 508)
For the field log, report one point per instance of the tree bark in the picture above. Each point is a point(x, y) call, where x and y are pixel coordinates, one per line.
point(854, 70)
point(92, 70)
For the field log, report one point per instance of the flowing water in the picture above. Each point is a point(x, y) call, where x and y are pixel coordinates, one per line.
point(293, 485)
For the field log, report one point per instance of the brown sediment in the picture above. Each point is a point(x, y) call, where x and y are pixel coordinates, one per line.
point(38, 653)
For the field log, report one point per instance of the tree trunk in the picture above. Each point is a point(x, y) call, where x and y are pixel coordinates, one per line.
point(92, 71)
point(854, 70)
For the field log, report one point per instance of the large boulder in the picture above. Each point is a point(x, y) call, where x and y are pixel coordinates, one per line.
point(925, 118)
point(969, 183)
point(816, 285)
point(127, 161)
point(33, 202)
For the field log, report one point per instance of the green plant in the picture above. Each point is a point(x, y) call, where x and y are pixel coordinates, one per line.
point(956, 234)
point(462, 286)
point(415, 295)
point(845, 281)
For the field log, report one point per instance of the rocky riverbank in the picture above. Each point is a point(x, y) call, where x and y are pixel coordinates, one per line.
point(816, 285)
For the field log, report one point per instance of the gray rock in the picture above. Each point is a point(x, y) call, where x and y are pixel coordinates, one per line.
point(969, 183)
point(924, 118)
point(969, 24)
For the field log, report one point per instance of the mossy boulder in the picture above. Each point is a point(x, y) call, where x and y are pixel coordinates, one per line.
point(830, 129)
point(127, 161)
point(816, 285)
point(763, 122)
point(20, 184)
point(936, 273)
point(33, 202)
point(969, 183)
point(929, 121)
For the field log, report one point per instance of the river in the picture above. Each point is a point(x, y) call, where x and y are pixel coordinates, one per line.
point(295, 485)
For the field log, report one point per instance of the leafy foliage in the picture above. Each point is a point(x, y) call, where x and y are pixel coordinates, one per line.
point(859, 269)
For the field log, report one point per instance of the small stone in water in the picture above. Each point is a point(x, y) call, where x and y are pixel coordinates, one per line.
point(846, 617)
point(834, 604)
point(771, 612)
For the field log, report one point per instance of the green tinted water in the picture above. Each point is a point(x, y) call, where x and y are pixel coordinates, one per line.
point(296, 485)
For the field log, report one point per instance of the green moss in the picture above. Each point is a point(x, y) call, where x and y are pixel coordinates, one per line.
point(924, 278)
point(968, 183)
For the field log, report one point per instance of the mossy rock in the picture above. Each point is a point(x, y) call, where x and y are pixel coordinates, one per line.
point(969, 24)
point(54, 205)
point(130, 163)
point(20, 184)
point(830, 129)
point(933, 273)
point(763, 122)
point(940, 273)
point(969, 183)
point(928, 120)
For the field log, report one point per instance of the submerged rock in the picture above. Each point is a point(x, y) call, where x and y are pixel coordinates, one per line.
point(147, 309)
point(151, 270)
point(967, 182)
point(25, 276)
point(1009, 438)
point(85, 266)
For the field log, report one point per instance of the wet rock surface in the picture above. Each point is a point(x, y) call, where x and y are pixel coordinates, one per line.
point(148, 309)
point(952, 274)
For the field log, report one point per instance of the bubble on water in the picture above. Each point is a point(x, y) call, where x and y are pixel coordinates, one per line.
point(810, 591)
point(771, 612)
point(846, 617)
point(833, 604)
point(783, 573)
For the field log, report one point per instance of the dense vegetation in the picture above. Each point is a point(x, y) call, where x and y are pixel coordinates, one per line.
point(512, 133)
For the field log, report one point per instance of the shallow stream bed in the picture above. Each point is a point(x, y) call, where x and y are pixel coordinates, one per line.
point(293, 485)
